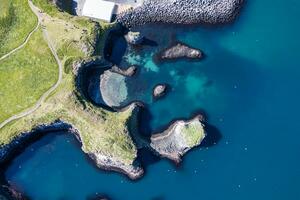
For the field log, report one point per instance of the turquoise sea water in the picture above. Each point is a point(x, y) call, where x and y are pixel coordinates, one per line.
point(249, 87)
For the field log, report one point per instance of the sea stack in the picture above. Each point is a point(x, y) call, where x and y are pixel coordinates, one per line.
point(179, 138)
point(159, 90)
point(179, 51)
point(134, 38)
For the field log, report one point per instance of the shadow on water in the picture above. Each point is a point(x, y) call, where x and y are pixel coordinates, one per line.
point(90, 85)
point(159, 198)
point(98, 197)
point(213, 136)
point(115, 46)
point(148, 42)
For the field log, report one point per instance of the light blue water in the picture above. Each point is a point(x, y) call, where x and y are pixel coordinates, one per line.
point(249, 86)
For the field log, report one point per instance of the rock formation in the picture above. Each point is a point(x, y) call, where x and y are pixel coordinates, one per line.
point(180, 50)
point(130, 71)
point(179, 138)
point(159, 90)
point(134, 38)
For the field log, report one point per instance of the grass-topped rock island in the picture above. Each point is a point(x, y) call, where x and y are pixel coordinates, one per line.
point(43, 54)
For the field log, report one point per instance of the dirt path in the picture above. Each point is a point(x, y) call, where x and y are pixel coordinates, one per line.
point(36, 11)
point(23, 44)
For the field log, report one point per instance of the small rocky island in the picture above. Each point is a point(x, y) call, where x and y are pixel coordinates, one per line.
point(179, 138)
point(134, 38)
point(178, 51)
point(159, 90)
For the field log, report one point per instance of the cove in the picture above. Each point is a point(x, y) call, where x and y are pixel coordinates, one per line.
point(248, 86)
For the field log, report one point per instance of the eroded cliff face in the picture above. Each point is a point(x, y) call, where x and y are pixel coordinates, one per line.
point(179, 138)
point(181, 12)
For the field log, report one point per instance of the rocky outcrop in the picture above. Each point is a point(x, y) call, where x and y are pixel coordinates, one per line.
point(133, 171)
point(179, 138)
point(105, 161)
point(113, 88)
point(159, 90)
point(130, 71)
point(134, 38)
point(178, 51)
point(181, 12)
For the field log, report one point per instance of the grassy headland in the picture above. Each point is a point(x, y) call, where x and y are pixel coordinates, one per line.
point(16, 22)
point(74, 38)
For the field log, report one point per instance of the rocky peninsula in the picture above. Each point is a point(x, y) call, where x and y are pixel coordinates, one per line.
point(181, 12)
point(91, 144)
point(178, 51)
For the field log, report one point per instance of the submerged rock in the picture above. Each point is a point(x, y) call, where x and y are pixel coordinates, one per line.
point(159, 90)
point(113, 88)
point(134, 38)
point(179, 138)
point(130, 71)
point(180, 50)
point(181, 12)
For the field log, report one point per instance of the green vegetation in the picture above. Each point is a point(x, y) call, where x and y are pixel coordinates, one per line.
point(100, 130)
point(25, 76)
point(74, 39)
point(193, 133)
point(16, 22)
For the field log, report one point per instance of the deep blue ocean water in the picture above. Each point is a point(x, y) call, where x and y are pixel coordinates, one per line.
point(249, 87)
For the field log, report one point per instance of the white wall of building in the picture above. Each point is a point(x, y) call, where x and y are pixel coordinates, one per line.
point(98, 9)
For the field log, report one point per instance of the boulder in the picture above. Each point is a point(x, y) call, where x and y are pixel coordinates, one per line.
point(159, 90)
point(179, 138)
point(134, 38)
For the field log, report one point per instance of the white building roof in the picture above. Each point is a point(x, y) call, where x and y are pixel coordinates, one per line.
point(98, 9)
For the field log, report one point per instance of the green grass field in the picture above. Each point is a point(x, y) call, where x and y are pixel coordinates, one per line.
point(16, 21)
point(25, 76)
point(193, 133)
